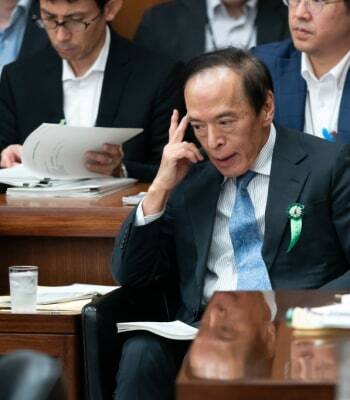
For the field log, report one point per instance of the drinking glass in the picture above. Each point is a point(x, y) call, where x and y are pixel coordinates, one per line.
point(23, 288)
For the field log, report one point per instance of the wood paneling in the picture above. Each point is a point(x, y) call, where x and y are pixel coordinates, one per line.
point(71, 240)
point(56, 335)
point(129, 17)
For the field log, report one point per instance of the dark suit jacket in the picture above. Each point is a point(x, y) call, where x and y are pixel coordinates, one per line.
point(304, 169)
point(139, 91)
point(35, 38)
point(284, 63)
point(177, 28)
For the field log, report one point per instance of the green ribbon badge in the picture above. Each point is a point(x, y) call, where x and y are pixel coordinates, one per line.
point(295, 212)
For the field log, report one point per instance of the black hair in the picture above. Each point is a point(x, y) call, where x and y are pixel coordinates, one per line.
point(100, 3)
point(256, 79)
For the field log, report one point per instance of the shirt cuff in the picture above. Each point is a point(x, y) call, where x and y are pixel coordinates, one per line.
point(141, 220)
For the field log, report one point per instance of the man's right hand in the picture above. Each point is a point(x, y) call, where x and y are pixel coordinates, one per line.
point(11, 156)
point(177, 158)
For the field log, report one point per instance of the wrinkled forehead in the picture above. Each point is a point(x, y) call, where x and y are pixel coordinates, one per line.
point(213, 87)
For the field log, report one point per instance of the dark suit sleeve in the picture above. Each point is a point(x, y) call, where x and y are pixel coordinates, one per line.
point(8, 125)
point(143, 253)
point(341, 214)
point(166, 99)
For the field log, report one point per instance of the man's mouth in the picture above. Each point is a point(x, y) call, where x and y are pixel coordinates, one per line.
point(225, 161)
point(301, 32)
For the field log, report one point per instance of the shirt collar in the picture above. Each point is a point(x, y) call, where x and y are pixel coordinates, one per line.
point(338, 72)
point(24, 4)
point(213, 5)
point(21, 9)
point(98, 66)
point(263, 162)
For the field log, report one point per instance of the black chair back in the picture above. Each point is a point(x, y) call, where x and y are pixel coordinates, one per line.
point(27, 375)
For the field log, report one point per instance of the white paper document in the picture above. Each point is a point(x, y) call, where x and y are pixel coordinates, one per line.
point(176, 330)
point(58, 151)
point(90, 187)
point(53, 162)
point(63, 294)
point(76, 291)
point(326, 317)
point(134, 199)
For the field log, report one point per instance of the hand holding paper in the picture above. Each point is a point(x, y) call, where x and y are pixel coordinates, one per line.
point(11, 156)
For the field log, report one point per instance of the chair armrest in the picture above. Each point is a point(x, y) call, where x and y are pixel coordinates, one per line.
point(102, 345)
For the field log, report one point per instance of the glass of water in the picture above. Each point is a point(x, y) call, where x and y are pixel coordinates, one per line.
point(23, 288)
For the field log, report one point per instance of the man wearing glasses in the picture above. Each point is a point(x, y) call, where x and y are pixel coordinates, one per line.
point(91, 77)
point(311, 73)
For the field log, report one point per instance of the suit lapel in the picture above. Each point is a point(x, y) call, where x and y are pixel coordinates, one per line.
point(290, 91)
point(343, 134)
point(114, 81)
point(34, 38)
point(51, 88)
point(201, 198)
point(287, 179)
point(196, 9)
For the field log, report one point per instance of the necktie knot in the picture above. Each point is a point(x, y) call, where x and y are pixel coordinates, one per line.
point(242, 181)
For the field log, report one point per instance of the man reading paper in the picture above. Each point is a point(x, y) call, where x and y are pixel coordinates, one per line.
point(91, 77)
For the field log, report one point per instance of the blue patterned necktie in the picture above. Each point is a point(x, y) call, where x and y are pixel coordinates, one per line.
point(246, 240)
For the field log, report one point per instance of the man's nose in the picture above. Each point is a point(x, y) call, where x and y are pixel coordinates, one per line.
point(302, 9)
point(217, 314)
point(62, 34)
point(214, 138)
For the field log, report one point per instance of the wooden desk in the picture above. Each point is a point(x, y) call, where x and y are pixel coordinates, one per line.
point(71, 240)
point(299, 366)
point(56, 335)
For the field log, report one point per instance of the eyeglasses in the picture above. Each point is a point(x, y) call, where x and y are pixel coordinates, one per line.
point(71, 25)
point(313, 6)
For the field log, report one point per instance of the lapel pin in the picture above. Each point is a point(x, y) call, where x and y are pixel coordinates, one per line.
point(295, 212)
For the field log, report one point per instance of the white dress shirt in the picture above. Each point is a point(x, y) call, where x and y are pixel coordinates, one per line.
point(81, 95)
point(221, 272)
point(323, 97)
point(222, 30)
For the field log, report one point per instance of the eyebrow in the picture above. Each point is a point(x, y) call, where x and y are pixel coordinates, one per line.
point(222, 115)
point(75, 14)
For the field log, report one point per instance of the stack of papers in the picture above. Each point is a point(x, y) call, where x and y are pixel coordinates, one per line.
point(63, 298)
point(326, 317)
point(176, 330)
point(53, 162)
point(134, 199)
point(87, 188)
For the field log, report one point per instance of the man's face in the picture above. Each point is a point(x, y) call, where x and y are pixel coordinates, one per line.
point(236, 333)
point(78, 46)
point(323, 32)
point(224, 122)
point(313, 360)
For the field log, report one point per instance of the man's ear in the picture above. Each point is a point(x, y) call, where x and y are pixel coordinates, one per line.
point(268, 111)
point(111, 9)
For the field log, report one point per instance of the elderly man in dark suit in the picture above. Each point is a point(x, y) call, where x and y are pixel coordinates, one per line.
point(19, 36)
point(90, 76)
point(183, 29)
point(269, 209)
